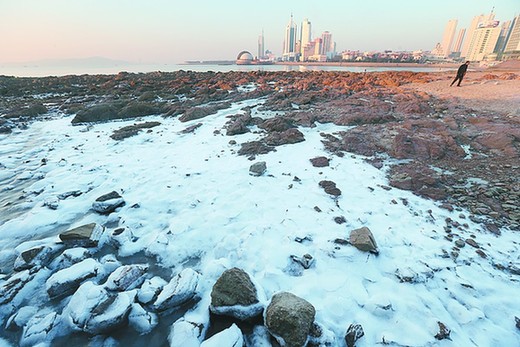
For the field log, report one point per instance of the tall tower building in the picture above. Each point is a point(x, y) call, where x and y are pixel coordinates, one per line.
point(458, 42)
point(327, 44)
point(512, 47)
point(289, 45)
point(261, 47)
point(305, 36)
point(471, 31)
point(448, 38)
point(483, 41)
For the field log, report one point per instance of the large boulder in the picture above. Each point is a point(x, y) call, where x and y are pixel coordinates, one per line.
point(87, 235)
point(108, 203)
point(185, 333)
point(364, 240)
point(39, 328)
point(234, 294)
point(258, 168)
point(181, 289)
point(289, 319)
point(66, 281)
point(231, 337)
point(127, 277)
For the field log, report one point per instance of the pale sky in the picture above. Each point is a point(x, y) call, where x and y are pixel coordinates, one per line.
point(173, 31)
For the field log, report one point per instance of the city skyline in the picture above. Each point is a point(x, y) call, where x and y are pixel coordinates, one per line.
point(162, 32)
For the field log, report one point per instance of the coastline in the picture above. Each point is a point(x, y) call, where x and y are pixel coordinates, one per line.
point(371, 64)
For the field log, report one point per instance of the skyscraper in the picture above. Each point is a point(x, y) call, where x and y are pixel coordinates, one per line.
point(305, 36)
point(289, 45)
point(261, 47)
point(327, 44)
point(471, 31)
point(447, 39)
point(512, 47)
point(458, 42)
point(484, 40)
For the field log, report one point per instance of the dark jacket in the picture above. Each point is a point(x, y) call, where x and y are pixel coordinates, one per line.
point(462, 70)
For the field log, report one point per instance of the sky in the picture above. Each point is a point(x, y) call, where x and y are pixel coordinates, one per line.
point(165, 31)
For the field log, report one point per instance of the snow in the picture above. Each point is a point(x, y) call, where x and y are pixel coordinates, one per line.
point(198, 205)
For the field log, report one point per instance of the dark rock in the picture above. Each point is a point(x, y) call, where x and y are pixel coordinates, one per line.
point(444, 332)
point(132, 130)
point(36, 256)
point(254, 148)
point(258, 169)
point(289, 319)
point(202, 111)
point(289, 136)
point(276, 124)
point(364, 240)
point(320, 161)
point(354, 333)
point(306, 261)
point(10, 288)
point(235, 288)
point(330, 188)
point(340, 220)
point(83, 236)
point(472, 243)
point(108, 203)
point(517, 321)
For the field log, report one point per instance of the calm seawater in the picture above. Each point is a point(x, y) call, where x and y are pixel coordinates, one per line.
point(42, 71)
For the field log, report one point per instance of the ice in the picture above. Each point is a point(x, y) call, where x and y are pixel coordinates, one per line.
point(231, 337)
point(199, 208)
point(141, 320)
point(186, 334)
point(181, 289)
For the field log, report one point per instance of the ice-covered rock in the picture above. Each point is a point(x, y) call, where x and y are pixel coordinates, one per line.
point(70, 257)
point(354, 333)
point(258, 168)
point(93, 310)
point(289, 319)
point(185, 333)
point(108, 203)
point(141, 320)
point(13, 285)
point(66, 281)
point(126, 277)
point(364, 240)
point(181, 289)
point(38, 329)
point(35, 256)
point(83, 236)
point(21, 317)
point(231, 337)
point(150, 289)
point(260, 337)
point(234, 294)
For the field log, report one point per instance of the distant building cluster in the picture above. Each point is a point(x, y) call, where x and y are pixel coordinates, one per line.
point(484, 40)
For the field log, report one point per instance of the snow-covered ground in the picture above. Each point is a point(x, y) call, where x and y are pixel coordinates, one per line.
point(191, 200)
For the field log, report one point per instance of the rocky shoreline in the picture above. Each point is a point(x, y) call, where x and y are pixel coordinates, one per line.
point(439, 147)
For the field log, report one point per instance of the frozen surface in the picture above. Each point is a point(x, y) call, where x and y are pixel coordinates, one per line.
point(190, 202)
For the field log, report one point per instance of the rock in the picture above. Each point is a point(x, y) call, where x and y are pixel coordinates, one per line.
point(289, 319)
point(36, 256)
point(254, 148)
point(181, 289)
point(38, 329)
point(460, 243)
point(340, 220)
point(330, 188)
point(93, 310)
point(354, 333)
point(186, 334)
point(258, 168)
point(306, 261)
point(21, 317)
point(191, 128)
point(237, 127)
point(108, 203)
point(517, 321)
point(364, 240)
point(66, 281)
point(444, 332)
point(290, 136)
point(10, 288)
point(320, 161)
point(150, 290)
point(276, 124)
point(235, 295)
point(231, 337)
point(70, 257)
point(126, 277)
point(472, 243)
point(141, 320)
point(87, 235)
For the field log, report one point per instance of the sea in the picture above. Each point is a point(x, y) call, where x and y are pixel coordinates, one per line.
point(43, 71)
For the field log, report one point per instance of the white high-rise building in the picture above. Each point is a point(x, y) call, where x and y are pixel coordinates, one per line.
point(448, 38)
point(289, 44)
point(471, 31)
point(327, 47)
point(305, 36)
point(483, 40)
point(512, 47)
point(261, 47)
point(458, 42)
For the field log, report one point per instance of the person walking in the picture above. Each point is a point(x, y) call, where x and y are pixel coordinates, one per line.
point(460, 73)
